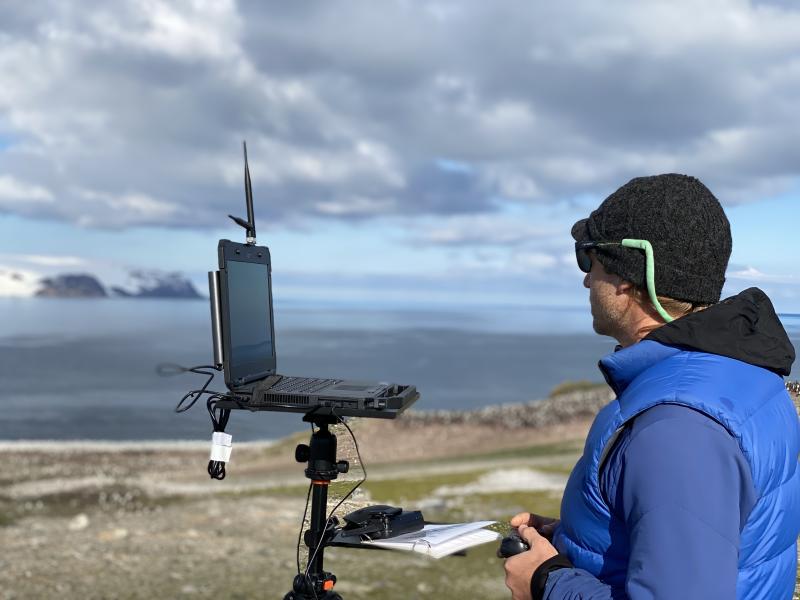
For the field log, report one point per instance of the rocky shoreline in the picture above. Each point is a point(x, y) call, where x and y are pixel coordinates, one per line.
point(555, 410)
point(559, 408)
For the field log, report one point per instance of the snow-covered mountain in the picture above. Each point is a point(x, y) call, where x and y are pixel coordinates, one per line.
point(18, 282)
point(139, 284)
point(156, 284)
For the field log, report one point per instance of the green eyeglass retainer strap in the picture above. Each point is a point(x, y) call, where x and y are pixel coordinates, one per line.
point(650, 274)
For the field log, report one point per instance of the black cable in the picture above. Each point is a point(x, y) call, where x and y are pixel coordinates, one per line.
point(360, 461)
point(219, 420)
point(171, 369)
point(303, 520)
point(350, 493)
point(302, 524)
point(219, 416)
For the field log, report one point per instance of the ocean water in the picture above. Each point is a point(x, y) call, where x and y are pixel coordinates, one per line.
point(86, 369)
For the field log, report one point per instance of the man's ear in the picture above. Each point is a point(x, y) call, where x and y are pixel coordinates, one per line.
point(624, 287)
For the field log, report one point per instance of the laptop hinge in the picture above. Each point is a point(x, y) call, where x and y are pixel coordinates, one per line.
point(267, 383)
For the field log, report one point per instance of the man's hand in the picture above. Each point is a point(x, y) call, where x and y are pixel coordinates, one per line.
point(544, 525)
point(520, 568)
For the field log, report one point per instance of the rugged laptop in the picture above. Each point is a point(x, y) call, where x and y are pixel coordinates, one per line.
point(244, 345)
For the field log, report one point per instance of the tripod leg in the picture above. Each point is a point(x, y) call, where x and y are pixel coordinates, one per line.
point(315, 583)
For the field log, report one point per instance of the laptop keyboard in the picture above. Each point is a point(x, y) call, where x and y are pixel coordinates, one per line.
point(301, 385)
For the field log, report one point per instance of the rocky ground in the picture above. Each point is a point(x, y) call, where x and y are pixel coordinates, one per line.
point(104, 521)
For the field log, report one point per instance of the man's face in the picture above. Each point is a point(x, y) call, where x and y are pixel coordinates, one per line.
point(607, 303)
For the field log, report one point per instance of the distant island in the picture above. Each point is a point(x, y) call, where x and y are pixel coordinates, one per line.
point(71, 286)
point(140, 284)
point(155, 284)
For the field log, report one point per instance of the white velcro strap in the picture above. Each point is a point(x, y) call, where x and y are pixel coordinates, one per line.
point(221, 446)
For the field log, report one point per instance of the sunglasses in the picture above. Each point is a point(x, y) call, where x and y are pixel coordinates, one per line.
point(582, 250)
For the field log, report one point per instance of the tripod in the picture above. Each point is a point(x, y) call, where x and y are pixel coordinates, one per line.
point(322, 468)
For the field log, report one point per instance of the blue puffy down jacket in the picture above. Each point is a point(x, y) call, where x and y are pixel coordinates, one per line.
point(723, 366)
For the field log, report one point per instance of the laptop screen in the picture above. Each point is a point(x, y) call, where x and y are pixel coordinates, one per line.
point(250, 327)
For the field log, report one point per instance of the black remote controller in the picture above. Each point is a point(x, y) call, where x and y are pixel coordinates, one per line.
point(512, 545)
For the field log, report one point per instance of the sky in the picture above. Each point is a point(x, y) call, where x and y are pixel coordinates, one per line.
point(401, 152)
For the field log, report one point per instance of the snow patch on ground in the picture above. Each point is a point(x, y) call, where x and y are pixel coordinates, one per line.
point(49, 487)
point(506, 480)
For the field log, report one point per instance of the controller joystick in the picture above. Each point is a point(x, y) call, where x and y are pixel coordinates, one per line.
point(512, 545)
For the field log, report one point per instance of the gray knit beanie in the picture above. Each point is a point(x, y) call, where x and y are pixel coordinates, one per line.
point(685, 224)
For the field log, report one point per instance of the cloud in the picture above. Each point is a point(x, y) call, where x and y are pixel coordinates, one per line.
point(355, 206)
point(782, 289)
point(484, 230)
point(754, 275)
point(46, 260)
point(128, 208)
point(16, 192)
point(132, 114)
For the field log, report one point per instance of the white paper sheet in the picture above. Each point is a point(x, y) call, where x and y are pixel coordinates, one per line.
point(441, 540)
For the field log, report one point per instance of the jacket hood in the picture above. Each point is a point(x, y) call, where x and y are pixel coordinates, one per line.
point(744, 327)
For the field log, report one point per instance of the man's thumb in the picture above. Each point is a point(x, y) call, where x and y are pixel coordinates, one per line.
point(520, 519)
point(529, 534)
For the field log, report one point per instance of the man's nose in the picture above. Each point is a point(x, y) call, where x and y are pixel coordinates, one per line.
point(586, 281)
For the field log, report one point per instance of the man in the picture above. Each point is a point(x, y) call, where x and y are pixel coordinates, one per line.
point(688, 487)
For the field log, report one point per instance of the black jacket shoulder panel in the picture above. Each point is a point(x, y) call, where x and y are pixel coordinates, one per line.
point(744, 327)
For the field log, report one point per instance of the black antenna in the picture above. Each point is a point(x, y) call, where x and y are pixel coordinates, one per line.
point(250, 224)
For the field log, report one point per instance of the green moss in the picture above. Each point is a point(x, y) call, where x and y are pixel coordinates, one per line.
point(288, 491)
point(556, 469)
point(505, 505)
point(575, 386)
point(416, 488)
point(535, 451)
